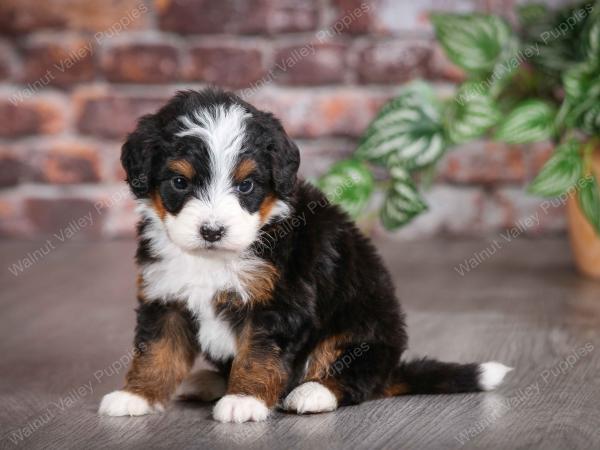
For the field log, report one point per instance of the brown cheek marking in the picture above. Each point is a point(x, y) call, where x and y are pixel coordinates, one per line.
point(324, 355)
point(158, 205)
point(182, 167)
point(266, 207)
point(244, 168)
point(257, 370)
point(259, 283)
point(140, 288)
point(156, 371)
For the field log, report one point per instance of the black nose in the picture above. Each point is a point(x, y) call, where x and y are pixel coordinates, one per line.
point(212, 233)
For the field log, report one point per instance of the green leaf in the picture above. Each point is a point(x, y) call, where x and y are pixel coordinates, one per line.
point(349, 184)
point(402, 202)
point(408, 126)
point(470, 114)
point(591, 39)
point(532, 13)
point(530, 121)
point(590, 119)
point(582, 88)
point(560, 173)
point(589, 201)
point(558, 37)
point(582, 80)
point(474, 42)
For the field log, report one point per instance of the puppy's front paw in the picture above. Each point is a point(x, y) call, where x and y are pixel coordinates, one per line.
point(310, 397)
point(240, 408)
point(123, 403)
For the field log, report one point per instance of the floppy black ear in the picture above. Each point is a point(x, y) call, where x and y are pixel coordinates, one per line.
point(136, 156)
point(285, 159)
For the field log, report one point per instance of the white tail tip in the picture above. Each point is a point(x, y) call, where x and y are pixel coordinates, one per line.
point(491, 375)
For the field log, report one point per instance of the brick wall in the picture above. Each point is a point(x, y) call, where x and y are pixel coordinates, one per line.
point(75, 75)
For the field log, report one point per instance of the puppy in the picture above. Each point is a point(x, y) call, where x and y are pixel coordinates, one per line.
point(241, 262)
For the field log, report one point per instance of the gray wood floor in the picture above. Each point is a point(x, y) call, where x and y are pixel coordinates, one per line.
point(67, 325)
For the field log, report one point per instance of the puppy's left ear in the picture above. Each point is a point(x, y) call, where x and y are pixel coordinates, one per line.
point(285, 160)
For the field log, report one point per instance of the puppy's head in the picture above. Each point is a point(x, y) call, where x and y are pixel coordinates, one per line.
point(212, 168)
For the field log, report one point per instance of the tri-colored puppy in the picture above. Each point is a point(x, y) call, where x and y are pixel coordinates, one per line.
point(241, 262)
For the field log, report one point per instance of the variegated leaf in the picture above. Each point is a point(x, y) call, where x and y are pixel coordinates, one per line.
point(530, 121)
point(349, 184)
point(560, 173)
point(402, 202)
point(590, 119)
point(474, 42)
point(582, 80)
point(470, 114)
point(408, 126)
point(592, 35)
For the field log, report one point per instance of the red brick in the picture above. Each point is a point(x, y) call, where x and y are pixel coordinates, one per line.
point(69, 217)
point(234, 16)
point(538, 153)
point(394, 61)
point(227, 66)
point(334, 112)
point(6, 61)
point(113, 115)
point(353, 16)
point(24, 16)
point(13, 222)
point(310, 64)
point(11, 167)
point(526, 214)
point(59, 63)
point(22, 116)
point(319, 155)
point(484, 162)
point(65, 163)
point(141, 63)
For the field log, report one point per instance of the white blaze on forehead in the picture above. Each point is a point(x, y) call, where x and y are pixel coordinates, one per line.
point(222, 129)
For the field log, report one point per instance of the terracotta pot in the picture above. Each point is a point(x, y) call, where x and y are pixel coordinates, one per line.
point(585, 242)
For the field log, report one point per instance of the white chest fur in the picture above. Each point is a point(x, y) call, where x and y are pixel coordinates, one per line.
point(195, 279)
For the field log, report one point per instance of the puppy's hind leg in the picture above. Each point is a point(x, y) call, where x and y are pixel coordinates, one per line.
point(340, 375)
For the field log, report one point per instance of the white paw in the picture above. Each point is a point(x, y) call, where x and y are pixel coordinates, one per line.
point(123, 403)
point(491, 375)
point(240, 408)
point(204, 385)
point(310, 397)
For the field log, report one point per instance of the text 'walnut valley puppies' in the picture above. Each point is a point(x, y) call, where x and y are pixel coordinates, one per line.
point(289, 301)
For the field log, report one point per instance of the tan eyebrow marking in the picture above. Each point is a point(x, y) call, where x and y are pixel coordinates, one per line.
point(244, 168)
point(182, 167)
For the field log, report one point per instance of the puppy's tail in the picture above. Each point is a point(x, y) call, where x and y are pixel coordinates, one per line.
point(428, 376)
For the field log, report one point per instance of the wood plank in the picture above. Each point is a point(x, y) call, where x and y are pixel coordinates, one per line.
point(68, 320)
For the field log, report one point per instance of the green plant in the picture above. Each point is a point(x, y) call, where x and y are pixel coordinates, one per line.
point(538, 82)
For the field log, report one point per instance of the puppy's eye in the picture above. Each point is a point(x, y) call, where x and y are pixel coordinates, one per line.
point(245, 187)
point(179, 183)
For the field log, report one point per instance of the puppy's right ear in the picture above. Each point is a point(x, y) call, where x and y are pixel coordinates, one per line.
point(137, 154)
